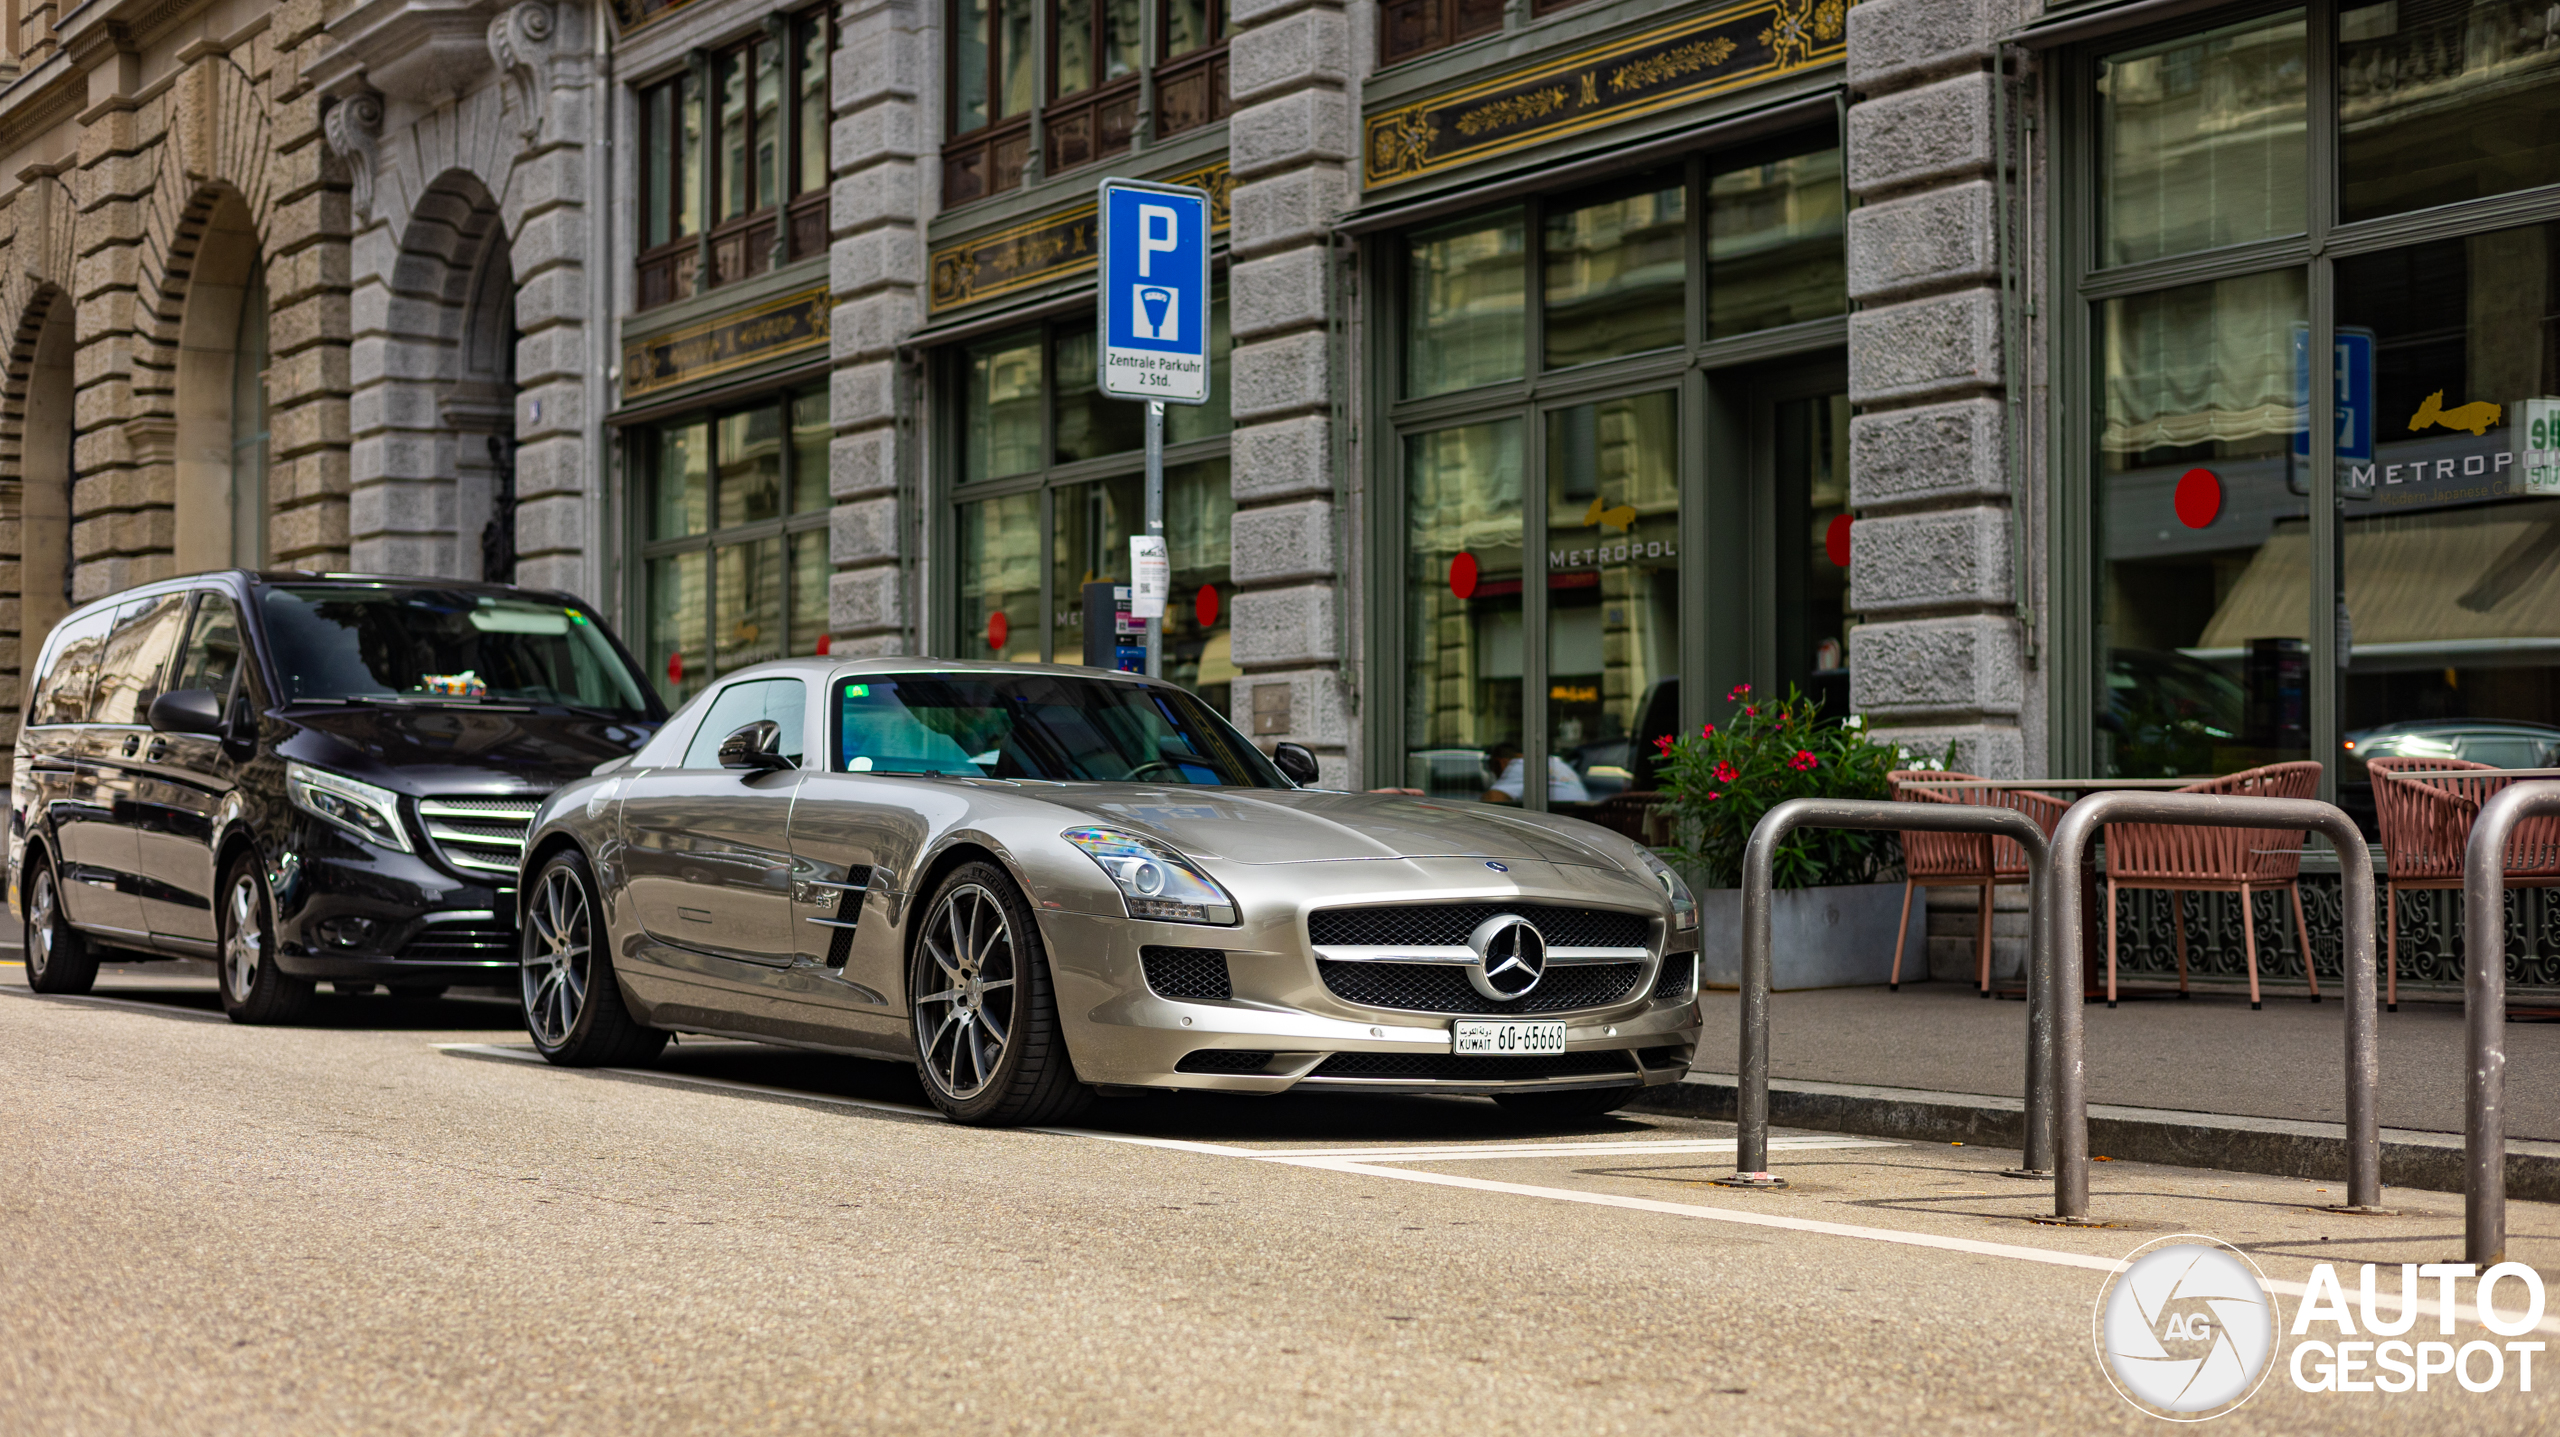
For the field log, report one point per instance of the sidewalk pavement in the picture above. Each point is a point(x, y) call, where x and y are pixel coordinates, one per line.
point(2204, 1082)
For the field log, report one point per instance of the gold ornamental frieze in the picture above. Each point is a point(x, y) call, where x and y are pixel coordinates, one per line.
point(1054, 246)
point(1727, 49)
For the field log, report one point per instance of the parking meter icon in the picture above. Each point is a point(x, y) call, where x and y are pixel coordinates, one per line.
point(1155, 315)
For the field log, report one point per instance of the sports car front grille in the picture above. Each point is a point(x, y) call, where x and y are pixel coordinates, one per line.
point(479, 835)
point(1443, 987)
point(1446, 925)
point(1223, 1060)
point(1679, 978)
point(461, 943)
point(1195, 973)
point(1474, 1068)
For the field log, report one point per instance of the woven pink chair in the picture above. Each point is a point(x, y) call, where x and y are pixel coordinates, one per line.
point(2426, 825)
point(1964, 860)
point(2245, 861)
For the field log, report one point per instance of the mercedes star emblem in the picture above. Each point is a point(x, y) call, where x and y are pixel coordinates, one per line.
point(1511, 956)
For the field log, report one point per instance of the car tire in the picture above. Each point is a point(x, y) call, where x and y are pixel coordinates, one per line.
point(573, 1006)
point(254, 988)
point(979, 977)
point(1579, 1105)
point(59, 959)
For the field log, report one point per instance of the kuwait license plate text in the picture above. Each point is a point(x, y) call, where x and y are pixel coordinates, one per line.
point(1509, 1039)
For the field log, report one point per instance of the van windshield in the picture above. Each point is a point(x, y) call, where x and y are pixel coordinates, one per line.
point(391, 642)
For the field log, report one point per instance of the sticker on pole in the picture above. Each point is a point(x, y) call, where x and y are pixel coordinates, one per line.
point(1154, 292)
point(1150, 576)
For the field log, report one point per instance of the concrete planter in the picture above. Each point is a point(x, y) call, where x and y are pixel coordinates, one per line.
point(1836, 937)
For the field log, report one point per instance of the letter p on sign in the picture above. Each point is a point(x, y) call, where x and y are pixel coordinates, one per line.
point(1159, 232)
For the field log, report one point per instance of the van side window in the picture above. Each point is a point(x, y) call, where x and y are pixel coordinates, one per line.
point(137, 655)
point(62, 695)
point(212, 655)
point(780, 700)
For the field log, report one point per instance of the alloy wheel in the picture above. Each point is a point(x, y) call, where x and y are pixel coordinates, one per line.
point(41, 934)
point(555, 961)
point(963, 1028)
point(244, 947)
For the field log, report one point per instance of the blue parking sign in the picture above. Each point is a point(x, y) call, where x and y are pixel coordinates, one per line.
point(1154, 292)
point(2352, 372)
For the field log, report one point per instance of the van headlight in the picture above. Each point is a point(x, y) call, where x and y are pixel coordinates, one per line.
point(1154, 880)
point(1684, 906)
point(370, 813)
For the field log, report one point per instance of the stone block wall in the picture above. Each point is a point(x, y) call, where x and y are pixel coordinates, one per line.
point(1938, 663)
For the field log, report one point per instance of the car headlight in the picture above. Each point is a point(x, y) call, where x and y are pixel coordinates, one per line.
point(370, 813)
point(1684, 907)
point(1154, 881)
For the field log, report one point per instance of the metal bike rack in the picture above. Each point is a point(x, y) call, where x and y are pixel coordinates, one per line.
point(2484, 1013)
point(1751, 1096)
point(2065, 912)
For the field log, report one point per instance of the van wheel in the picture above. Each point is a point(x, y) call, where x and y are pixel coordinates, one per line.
point(59, 960)
point(573, 1006)
point(254, 988)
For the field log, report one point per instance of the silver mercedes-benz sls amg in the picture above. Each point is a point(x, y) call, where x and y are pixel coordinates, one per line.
point(1040, 882)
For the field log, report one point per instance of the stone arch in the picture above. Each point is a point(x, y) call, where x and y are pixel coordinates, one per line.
point(434, 403)
point(36, 431)
point(218, 430)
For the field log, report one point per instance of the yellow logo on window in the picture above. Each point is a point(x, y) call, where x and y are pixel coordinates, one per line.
point(1622, 517)
point(2477, 416)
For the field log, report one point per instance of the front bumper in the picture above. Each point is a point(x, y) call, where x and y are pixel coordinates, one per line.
point(1285, 1030)
point(348, 910)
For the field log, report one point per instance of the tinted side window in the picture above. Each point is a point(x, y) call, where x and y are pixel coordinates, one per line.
point(781, 700)
point(63, 696)
point(137, 654)
point(212, 654)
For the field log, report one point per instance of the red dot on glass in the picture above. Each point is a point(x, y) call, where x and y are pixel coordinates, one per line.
point(1835, 541)
point(2199, 498)
point(826, 642)
point(675, 667)
point(997, 629)
point(1206, 606)
point(1462, 576)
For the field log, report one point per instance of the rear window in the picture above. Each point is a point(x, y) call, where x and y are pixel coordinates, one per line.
point(456, 646)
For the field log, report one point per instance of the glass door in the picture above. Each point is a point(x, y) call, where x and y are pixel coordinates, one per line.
point(1612, 550)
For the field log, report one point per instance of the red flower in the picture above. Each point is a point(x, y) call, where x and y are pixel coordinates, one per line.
point(1707, 732)
point(1712, 797)
point(1725, 772)
point(1738, 691)
point(1662, 745)
point(1803, 760)
point(1750, 711)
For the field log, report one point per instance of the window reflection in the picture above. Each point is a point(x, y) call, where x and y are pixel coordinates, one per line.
point(1613, 588)
point(1616, 271)
point(1094, 523)
point(999, 579)
point(1812, 454)
point(1462, 607)
point(1001, 429)
point(1466, 297)
point(2201, 141)
point(1774, 244)
point(2445, 100)
point(2452, 545)
point(2204, 588)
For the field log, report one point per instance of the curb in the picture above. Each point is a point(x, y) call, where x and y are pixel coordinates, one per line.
point(2277, 1147)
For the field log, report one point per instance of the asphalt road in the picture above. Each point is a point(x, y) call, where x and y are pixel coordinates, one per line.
point(392, 1220)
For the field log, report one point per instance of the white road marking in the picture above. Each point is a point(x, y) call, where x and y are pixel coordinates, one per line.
point(1340, 1161)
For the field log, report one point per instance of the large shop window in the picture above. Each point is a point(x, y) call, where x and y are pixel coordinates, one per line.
point(739, 143)
point(1542, 443)
point(1096, 70)
point(1050, 485)
point(734, 540)
point(2251, 606)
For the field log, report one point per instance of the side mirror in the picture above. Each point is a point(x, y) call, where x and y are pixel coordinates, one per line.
point(756, 748)
point(186, 711)
point(1296, 762)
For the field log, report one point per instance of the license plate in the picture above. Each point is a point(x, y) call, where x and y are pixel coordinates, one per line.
point(1510, 1040)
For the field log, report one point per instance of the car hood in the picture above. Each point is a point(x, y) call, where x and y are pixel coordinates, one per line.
point(1263, 826)
point(430, 750)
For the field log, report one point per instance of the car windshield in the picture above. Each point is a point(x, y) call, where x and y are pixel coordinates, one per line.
point(397, 643)
point(1040, 726)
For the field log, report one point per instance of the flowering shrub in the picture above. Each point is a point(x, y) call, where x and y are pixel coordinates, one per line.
point(1720, 780)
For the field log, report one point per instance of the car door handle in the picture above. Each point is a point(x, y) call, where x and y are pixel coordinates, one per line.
point(159, 749)
point(132, 741)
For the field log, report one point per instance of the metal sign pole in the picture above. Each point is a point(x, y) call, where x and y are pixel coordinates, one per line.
point(2484, 1014)
point(1155, 524)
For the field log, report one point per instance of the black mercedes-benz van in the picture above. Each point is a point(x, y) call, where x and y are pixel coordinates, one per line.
point(303, 777)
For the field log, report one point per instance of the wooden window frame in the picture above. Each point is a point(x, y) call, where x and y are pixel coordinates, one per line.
point(758, 238)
